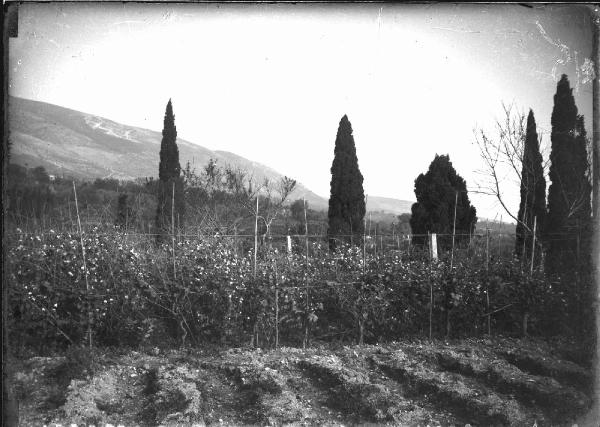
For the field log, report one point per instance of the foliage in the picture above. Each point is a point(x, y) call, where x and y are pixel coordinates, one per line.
point(347, 200)
point(533, 192)
point(439, 192)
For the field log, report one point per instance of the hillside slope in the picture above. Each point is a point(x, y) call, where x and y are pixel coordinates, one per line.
point(72, 143)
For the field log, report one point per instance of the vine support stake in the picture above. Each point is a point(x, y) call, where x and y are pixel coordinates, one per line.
point(430, 308)
point(533, 243)
point(255, 235)
point(173, 229)
point(87, 283)
point(375, 241)
point(453, 230)
point(365, 237)
point(487, 249)
point(487, 282)
point(276, 306)
point(306, 337)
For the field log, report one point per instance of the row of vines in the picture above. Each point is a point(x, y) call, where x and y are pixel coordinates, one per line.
point(205, 290)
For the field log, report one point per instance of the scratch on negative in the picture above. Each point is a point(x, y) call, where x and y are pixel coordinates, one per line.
point(563, 47)
point(566, 51)
point(455, 30)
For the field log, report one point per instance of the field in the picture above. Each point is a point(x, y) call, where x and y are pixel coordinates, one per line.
point(220, 326)
point(480, 382)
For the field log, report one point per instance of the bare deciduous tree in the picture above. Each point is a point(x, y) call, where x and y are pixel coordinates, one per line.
point(502, 154)
point(234, 190)
point(275, 196)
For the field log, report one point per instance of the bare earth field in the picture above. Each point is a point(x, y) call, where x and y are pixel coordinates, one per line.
point(478, 382)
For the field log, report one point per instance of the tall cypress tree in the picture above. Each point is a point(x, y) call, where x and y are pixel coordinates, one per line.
point(436, 193)
point(347, 199)
point(169, 173)
point(569, 195)
point(533, 191)
point(568, 220)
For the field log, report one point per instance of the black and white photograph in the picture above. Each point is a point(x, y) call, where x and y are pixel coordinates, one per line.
point(300, 214)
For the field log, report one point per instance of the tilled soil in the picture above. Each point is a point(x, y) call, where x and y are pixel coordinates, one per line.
point(476, 382)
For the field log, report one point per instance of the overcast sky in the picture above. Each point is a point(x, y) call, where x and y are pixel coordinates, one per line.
point(271, 82)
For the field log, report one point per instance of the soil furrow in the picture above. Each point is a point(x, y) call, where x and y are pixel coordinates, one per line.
point(559, 402)
point(469, 399)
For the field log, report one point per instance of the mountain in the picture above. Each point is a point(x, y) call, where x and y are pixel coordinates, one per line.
point(72, 143)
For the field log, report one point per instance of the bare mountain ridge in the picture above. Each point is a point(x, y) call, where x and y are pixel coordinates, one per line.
point(72, 143)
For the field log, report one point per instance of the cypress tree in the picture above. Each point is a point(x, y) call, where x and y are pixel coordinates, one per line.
point(169, 174)
point(436, 192)
point(569, 195)
point(533, 191)
point(568, 220)
point(347, 199)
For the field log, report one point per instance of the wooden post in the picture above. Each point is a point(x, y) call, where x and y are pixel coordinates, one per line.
point(173, 229)
point(430, 307)
point(276, 307)
point(453, 230)
point(487, 282)
point(365, 238)
point(375, 241)
point(307, 302)
point(595, 288)
point(524, 218)
point(596, 127)
point(70, 219)
point(305, 229)
point(87, 284)
point(470, 233)
point(235, 241)
point(255, 235)
point(433, 246)
point(126, 218)
point(429, 244)
point(487, 249)
point(499, 240)
point(430, 288)
point(533, 243)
